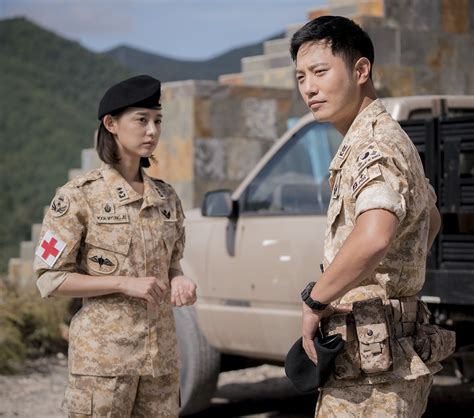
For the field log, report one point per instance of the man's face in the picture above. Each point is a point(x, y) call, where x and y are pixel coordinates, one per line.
point(327, 85)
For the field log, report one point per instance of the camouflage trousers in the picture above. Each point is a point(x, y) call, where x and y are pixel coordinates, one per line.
point(122, 396)
point(401, 399)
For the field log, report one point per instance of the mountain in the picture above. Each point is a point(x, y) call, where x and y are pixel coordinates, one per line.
point(172, 69)
point(49, 93)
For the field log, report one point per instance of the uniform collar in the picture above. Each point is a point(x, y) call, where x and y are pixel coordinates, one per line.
point(363, 122)
point(124, 194)
point(154, 194)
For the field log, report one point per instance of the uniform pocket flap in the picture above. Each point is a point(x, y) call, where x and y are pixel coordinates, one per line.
point(339, 324)
point(119, 244)
point(370, 319)
point(373, 333)
point(78, 401)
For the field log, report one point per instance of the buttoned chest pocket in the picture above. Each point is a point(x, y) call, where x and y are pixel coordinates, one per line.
point(106, 249)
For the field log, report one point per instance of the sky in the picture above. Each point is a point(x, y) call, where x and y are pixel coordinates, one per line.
point(193, 29)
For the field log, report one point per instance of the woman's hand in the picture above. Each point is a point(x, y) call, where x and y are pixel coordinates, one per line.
point(151, 289)
point(183, 291)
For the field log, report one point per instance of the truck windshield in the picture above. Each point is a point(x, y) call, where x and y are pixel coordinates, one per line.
point(295, 180)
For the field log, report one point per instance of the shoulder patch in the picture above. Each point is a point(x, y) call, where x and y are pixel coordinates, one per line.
point(368, 156)
point(364, 177)
point(59, 205)
point(50, 249)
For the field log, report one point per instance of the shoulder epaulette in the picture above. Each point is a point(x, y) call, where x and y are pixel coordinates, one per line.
point(82, 179)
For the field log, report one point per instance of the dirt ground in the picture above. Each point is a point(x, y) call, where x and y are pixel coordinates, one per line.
point(259, 392)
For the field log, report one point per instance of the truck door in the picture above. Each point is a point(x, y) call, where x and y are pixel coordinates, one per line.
point(278, 244)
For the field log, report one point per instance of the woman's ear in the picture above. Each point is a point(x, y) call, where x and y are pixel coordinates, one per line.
point(110, 124)
point(362, 70)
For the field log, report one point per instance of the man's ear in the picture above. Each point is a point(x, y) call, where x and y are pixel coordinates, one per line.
point(110, 124)
point(362, 70)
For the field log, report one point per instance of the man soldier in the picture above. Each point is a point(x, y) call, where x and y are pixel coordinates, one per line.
point(382, 221)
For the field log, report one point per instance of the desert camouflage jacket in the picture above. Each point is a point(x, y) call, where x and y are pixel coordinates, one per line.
point(98, 225)
point(378, 167)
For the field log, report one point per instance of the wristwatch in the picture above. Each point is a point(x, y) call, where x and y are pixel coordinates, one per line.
point(313, 304)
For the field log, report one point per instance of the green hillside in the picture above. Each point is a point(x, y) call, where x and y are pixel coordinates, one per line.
point(171, 69)
point(49, 92)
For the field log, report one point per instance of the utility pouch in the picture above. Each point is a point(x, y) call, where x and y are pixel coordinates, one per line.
point(432, 342)
point(373, 335)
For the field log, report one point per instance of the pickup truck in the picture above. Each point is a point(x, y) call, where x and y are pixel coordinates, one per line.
point(252, 250)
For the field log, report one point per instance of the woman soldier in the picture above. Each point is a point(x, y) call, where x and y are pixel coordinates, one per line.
point(114, 237)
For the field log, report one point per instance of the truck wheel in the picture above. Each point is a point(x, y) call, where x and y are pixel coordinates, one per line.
point(200, 363)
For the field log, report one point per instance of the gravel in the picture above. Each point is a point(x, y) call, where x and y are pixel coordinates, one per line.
point(258, 392)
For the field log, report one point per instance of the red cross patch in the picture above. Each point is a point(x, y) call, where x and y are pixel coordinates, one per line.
point(50, 248)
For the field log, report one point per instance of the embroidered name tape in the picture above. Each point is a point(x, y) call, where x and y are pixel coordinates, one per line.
point(114, 218)
point(50, 248)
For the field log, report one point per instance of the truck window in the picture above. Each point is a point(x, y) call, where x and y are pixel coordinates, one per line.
point(295, 180)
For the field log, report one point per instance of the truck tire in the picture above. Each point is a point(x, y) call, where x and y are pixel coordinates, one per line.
point(200, 363)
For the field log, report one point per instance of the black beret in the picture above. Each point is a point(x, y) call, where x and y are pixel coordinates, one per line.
point(303, 373)
point(139, 91)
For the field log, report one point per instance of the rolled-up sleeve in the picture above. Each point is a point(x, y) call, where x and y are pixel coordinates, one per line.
point(380, 184)
point(60, 239)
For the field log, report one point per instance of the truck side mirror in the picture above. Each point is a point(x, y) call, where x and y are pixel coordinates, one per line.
point(218, 203)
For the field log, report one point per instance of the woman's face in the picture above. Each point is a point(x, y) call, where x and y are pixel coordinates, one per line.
point(137, 131)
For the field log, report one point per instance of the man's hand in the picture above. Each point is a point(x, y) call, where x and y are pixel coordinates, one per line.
point(311, 320)
point(183, 291)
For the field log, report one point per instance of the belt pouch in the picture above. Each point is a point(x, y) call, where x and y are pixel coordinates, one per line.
point(373, 335)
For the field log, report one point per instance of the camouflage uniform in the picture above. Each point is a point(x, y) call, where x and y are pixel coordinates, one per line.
point(98, 225)
point(378, 167)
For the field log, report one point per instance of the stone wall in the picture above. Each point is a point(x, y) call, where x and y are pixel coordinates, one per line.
point(214, 134)
point(421, 47)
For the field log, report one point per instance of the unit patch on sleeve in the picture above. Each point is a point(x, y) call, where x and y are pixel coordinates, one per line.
point(59, 206)
point(364, 177)
point(368, 156)
point(50, 248)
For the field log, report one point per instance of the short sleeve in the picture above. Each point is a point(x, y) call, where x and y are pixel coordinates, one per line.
point(60, 239)
point(380, 183)
point(178, 248)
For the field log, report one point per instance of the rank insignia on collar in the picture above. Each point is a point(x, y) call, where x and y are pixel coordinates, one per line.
point(160, 193)
point(121, 193)
point(166, 213)
point(344, 150)
point(59, 206)
point(108, 208)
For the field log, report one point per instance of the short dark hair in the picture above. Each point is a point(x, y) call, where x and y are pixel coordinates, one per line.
point(346, 38)
point(107, 147)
